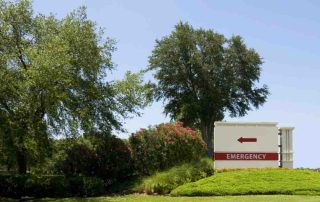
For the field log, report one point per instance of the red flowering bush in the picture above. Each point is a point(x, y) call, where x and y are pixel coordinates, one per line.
point(164, 146)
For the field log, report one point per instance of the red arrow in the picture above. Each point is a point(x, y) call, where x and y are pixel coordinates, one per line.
point(242, 139)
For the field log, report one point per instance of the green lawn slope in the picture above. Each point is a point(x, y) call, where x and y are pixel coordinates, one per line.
point(145, 198)
point(254, 181)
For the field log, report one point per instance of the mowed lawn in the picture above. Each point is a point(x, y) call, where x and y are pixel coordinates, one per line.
point(254, 182)
point(141, 198)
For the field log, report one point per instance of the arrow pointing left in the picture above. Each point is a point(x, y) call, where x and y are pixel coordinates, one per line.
point(242, 139)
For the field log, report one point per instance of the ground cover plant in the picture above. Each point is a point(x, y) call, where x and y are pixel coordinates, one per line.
point(165, 181)
point(254, 181)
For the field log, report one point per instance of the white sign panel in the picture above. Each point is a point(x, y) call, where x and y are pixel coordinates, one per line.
point(246, 145)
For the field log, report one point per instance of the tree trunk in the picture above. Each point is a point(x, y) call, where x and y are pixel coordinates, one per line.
point(22, 161)
point(207, 131)
point(21, 150)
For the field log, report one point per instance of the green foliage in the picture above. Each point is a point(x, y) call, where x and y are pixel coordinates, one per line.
point(80, 159)
point(131, 95)
point(105, 156)
point(86, 186)
point(17, 186)
point(165, 181)
point(164, 146)
point(254, 181)
point(155, 198)
point(53, 82)
point(114, 159)
point(59, 148)
point(201, 75)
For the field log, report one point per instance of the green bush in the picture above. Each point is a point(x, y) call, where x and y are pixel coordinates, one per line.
point(165, 146)
point(49, 186)
point(106, 157)
point(80, 159)
point(93, 186)
point(165, 181)
point(114, 159)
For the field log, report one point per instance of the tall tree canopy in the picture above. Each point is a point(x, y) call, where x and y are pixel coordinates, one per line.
point(53, 81)
point(202, 75)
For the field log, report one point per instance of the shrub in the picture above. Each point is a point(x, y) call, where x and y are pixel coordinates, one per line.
point(80, 159)
point(164, 146)
point(86, 186)
point(165, 181)
point(108, 158)
point(114, 159)
point(49, 186)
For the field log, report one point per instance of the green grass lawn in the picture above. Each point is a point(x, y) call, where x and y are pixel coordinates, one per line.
point(254, 181)
point(139, 198)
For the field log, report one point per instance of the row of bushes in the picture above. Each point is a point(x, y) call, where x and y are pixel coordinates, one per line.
point(95, 162)
point(50, 186)
point(147, 151)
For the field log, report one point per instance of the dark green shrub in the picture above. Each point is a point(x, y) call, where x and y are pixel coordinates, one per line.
point(49, 186)
point(11, 186)
point(114, 159)
point(56, 186)
point(86, 186)
point(165, 146)
point(80, 159)
point(108, 158)
point(93, 186)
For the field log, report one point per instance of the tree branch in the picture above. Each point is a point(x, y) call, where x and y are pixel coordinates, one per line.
point(17, 41)
point(5, 105)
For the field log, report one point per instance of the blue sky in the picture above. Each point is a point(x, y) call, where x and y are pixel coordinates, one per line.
point(285, 33)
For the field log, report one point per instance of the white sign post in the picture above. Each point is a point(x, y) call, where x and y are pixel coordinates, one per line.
point(246, 145)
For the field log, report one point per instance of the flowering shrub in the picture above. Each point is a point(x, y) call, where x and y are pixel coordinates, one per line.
point(164, 146)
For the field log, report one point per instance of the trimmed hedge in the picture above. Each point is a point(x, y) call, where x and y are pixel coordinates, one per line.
point(254, 182)
point(16, 186)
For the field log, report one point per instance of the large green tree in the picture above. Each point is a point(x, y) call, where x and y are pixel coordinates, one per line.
point(53, 81)
point(202, 75)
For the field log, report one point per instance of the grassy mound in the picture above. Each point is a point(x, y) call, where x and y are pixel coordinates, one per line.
point(254, 181)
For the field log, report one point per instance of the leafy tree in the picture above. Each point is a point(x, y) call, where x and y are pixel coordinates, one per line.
point(53, 81)
point(202, 75)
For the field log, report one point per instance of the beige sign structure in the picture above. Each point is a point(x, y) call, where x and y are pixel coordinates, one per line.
point(251, 145)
